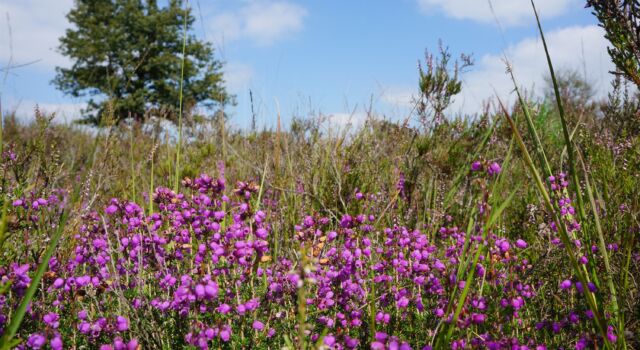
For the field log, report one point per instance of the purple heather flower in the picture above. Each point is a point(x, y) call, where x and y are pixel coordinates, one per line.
point(475, 166)
point(521, 244)
point(504, 245)
point(611, 335)
point(84, 327)
point(329, 340)
point(350, 343)
point(566, 284)
point(223, 309)
point(82, 314)
point(210, 333)
point(110, 210)
point(517, 303)
point(262, 233)
point(271, 332)
point(118, 344)
point(132, 344)
point(308, 221)
point(258, 326)
point(56, 343)
point(403, 302)
point(122, 323)
point(400, 185)
point(376, 345)
point(225, 334)
point(58, 283)
point(581, 344)
point(199, 291)
point(346, 221)
point(439, 265)
point(578, 286)
point(211, 290)
point(494, 169)
point(99, 243)
point(52, 320)
point(36, 341)
point(458, 344)
point(129, 208)
point(381, 336)
point(478, 318)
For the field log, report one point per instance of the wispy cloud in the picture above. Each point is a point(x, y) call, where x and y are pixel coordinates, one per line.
point(25, 110)
point(398, 96)
point(262, 22)
point(343, 121)
point(35, 27)
point(237, 75)
point(508, 12)
point(578, 47)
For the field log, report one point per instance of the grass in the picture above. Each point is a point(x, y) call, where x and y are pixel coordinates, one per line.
point(307, 173)
point(386, 235)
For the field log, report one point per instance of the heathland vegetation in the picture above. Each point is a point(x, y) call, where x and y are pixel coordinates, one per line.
point(516, 228)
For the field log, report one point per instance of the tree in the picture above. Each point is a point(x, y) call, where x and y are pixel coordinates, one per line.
point(577, 93)
point(128, 57)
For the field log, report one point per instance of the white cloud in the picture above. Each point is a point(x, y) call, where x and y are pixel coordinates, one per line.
point(237, 76)
point(580, 48)
point(508, 12)
point(397, 96)
point(65, 112)
point(343, 121)
point(261, 21)
point(36, 26)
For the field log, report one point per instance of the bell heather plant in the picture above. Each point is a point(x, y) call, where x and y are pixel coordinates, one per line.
point(390, 237)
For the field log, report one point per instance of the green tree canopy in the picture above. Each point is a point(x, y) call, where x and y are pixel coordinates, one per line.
point(127, 58)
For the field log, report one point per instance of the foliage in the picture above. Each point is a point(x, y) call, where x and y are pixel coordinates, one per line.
point(622, 110)
point(127, 57)
point(621, 21)
point(306, 183)
point(439, 83)
point(469, 234)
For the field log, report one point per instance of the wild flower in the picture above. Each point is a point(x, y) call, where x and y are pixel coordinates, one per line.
point(205, 261)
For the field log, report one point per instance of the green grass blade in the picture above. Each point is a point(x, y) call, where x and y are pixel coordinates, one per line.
point(565, 130)
point(18, 316)
point(465, 170)
point(495, 214)
point(603, 250)
point(563, 232)
point(539, 150)
point(3, 220)
point(184, 54)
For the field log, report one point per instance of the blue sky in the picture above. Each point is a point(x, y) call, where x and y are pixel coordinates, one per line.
point(330, 57)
